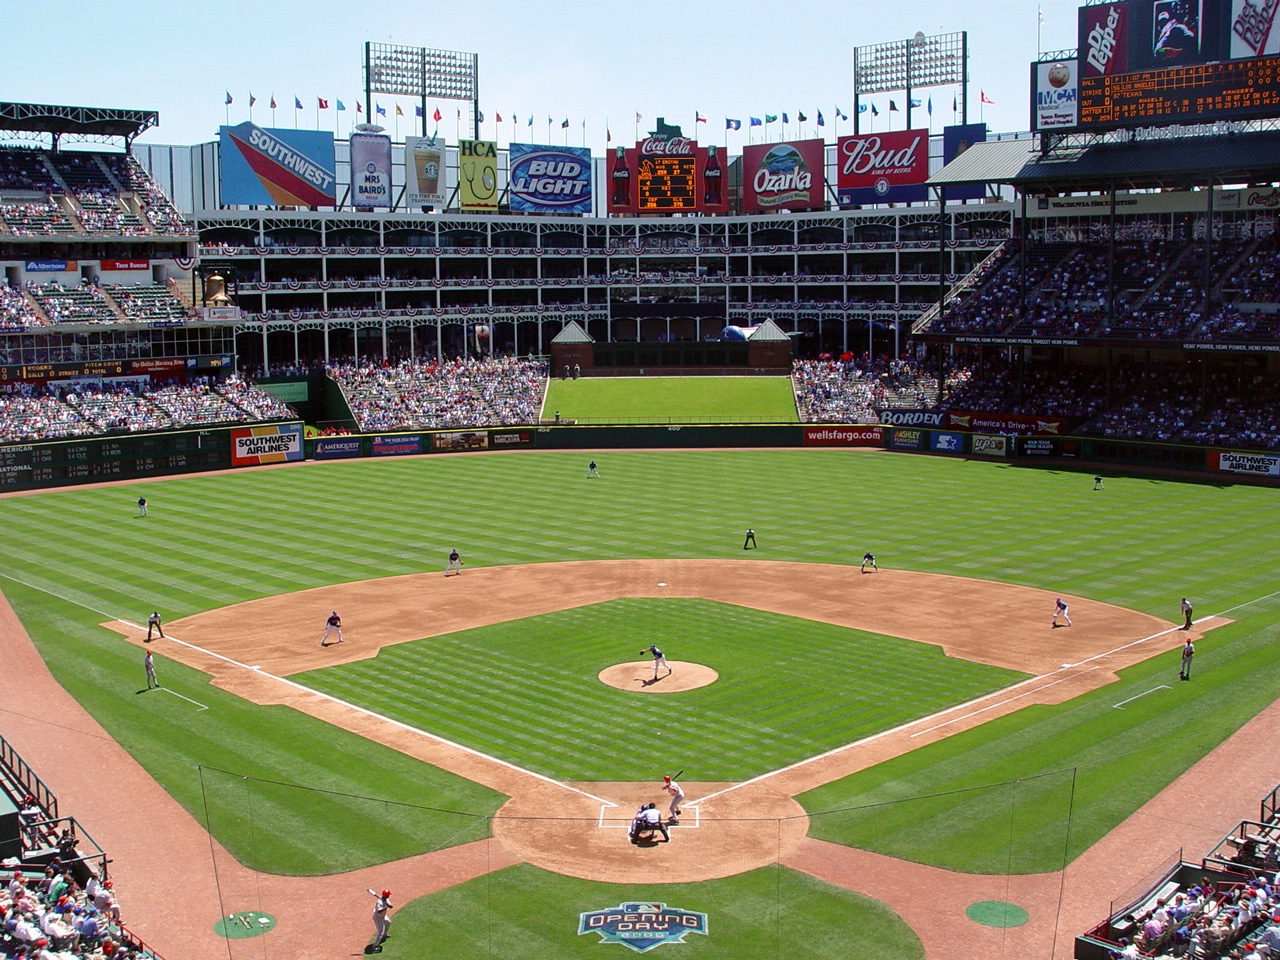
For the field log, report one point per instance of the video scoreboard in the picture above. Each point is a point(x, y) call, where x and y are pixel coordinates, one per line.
point(25, 466)
point(1233, 89)
point(668, 183)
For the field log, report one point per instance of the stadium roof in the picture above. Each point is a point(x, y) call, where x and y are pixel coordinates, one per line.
point(768, 330)
point(89, 121)
point(1236, 158)
point(572, 332)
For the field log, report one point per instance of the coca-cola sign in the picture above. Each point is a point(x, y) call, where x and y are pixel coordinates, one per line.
point(883, 167)
point(670, 174)
point(782, 176)
point(1104, 39)
point(662, 147)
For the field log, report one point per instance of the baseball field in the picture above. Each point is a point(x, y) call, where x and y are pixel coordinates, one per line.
point(479, 743)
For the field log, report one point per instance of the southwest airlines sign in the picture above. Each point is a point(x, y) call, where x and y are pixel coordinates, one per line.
point(282, 168)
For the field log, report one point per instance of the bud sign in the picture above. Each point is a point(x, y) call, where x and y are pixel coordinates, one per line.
point(883, 167)
point(546, 179)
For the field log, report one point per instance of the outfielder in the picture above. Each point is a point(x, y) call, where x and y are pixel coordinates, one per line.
point(332, 625)
point(870, 558)
point(142, 506)
point(750, 539)
point(153, 623)
point(455, 563)
point(658, 660)
point(591, 470)
point(1060, 610)
point(381, 921)
point(677, 798)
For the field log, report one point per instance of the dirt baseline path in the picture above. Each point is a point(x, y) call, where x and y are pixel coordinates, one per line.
point(250, 649)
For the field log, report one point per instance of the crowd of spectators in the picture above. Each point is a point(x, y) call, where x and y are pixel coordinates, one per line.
point(427, 393)
point(34, 218)
point(147, 301)
point(850, 389)
point(15, 308)
point(30, 412)
point(1207, 921)
point(49, 916)
point(82, 304)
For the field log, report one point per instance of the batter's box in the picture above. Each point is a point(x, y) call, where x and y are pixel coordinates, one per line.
point(686, 822)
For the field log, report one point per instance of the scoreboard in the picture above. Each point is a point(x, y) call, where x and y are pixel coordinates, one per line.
point(1229, 90)
point(668, 183)
point(26, 466)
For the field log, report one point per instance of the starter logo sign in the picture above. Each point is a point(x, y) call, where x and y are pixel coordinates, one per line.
point(642, 926)
point(550, 179)
point(282, 168)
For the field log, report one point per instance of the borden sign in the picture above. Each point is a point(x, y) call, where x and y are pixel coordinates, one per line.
point(884, 167)
point(782, 176)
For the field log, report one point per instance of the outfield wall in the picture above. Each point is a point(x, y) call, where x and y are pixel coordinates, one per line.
point(136, 456)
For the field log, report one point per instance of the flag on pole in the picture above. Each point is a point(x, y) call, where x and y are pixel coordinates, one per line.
point(417, 110)
point(399, 112)
point(841, 114)
point(497, 118)
point(638, 117)
point(380, 110)
point(297, 104)
point(479, 116)
point(954, 104)
point(931, 106)
point(459, 113)
point(862, 108)
point(341, 105)
point(608, 135)
point(437, 116)
point(821, 122)
point(1040, 14)
point(530, 123)
point(770, 118)
point(228, 98)
point(801, 117)
point(756, 122)
point(565, 125)
point(915, 104)
point(359, 109)
point(698, 118)
point(985, 98)
point(893, 107)
point(324, 104)
point(785, 119)
point(732, 124)
point(252, 99)
point(874, 111)
point(273, 101)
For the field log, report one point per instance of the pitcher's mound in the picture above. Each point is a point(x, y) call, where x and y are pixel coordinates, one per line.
point(638, 677)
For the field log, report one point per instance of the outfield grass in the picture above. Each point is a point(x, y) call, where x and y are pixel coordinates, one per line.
point(212, 541)
point(673, 399)
point(523, 912)
point(527, 691)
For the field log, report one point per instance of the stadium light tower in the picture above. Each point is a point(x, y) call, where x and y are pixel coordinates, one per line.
point(421, 72)
point(939, 60)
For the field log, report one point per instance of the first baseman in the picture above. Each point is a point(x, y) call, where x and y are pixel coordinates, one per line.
point(1060, 610)
point(455, 562)
point(677, 797)
point(153, 623)
point(332, 625)
point(1186, 613)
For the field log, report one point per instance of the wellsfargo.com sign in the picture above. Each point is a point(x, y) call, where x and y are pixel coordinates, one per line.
point(843, 436)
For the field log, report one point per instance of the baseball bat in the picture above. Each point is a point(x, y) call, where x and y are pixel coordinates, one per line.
point(679, 775)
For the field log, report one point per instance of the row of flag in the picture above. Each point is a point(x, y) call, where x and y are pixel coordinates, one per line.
point(730, 123)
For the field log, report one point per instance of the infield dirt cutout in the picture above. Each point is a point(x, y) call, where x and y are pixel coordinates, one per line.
point(578, 829)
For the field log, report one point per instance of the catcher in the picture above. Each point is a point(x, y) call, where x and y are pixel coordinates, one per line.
point(645, 822)
point(658, 660)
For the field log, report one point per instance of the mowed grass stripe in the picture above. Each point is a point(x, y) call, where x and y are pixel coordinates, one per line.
point(490, 688)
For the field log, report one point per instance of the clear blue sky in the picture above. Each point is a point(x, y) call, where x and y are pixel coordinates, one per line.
point(562, 58)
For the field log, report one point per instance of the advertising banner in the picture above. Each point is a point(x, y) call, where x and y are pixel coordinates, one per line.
point(883, 167)
point(985, 445)
point(1253, 30)
point(51, 266)
point(126, 265)
point(947, 442)
point(894, 417)
point(1004, 422)
point(276, 168)
point(1055, 95)
point(396, 446)
point(511, 438)
point(370, 170)
point(290, 391)
point(1047, 447)
point(955, 141)
point(1104, 39)
point(424, 171)
point(478, 175)
point(907, 439)
point(783, 176)
point(279, 443)
point(547, 179)
point(337, 448)
point(844, 436)
point(1255, 464)
point(668, 174)
point(460, 440)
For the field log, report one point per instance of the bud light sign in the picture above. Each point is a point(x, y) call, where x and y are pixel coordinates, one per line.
point(884, 167)
point(550, 179)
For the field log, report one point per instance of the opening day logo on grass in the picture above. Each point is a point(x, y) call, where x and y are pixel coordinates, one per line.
point(642, 926)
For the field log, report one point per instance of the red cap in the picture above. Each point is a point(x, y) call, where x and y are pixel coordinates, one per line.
point(666, 779)
point(385, 894)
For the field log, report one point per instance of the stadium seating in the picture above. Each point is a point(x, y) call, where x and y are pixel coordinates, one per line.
point(148, 301)
point(83, 304)
point(34, 218)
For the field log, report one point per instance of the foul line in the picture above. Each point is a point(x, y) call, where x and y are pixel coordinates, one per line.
point(371, 713)
point(1120, 705)
point(188, 699)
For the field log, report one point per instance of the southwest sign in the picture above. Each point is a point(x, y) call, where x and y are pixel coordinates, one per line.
point(642, 926)
point(283, 168)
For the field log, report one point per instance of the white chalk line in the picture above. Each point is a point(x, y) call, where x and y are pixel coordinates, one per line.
point(181, 697)
point(1120, 705)
point(613, 823)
